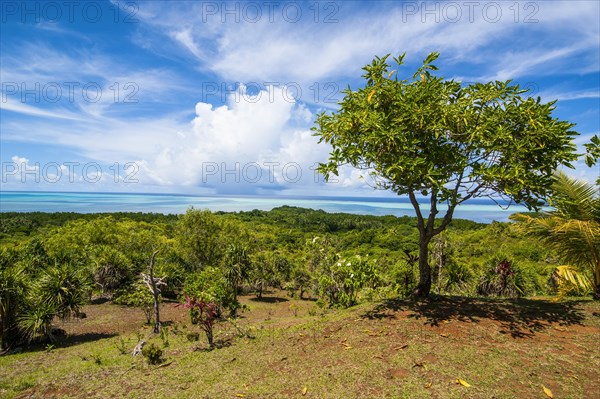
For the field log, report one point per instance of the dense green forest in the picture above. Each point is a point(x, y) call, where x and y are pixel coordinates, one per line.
point(52, 264)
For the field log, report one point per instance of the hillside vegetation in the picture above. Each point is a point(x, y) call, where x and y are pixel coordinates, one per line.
point(254, 301)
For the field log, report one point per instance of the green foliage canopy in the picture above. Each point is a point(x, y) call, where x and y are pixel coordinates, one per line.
point(446, 141)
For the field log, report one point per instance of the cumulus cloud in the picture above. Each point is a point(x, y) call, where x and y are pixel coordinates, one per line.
point(252, 143)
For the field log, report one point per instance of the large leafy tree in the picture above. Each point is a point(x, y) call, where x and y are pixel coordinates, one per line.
point(573, 227)
point(200, 235)
point(445, 141)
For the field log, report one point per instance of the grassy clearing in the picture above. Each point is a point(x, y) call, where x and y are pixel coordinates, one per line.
point(396, 349)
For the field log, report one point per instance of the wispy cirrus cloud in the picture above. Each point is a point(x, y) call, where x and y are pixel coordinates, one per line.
point(9, 104)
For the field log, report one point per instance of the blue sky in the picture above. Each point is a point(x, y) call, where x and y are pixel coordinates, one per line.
point(218, 98)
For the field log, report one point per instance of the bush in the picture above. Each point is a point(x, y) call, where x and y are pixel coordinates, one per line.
point(203, 313)
point(341, 284)
point(504, 277)
point(174, 276)
point(300, 281)
point(139, 296)
point(36, 321)
point(210, 285)
point(13, 297)
point(456, 278)
point(63, 287)
point(404, 278)
point(153, 354)
point(192, 337)
point(111, 270)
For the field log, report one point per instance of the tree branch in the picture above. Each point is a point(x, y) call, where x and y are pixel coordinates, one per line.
point(432, 212)
point(415, 204)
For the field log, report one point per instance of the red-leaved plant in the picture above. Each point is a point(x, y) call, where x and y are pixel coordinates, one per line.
point(504, 268)
point(203, 313)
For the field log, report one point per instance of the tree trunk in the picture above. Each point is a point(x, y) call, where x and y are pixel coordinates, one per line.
point(424, 287)
point(596, 293)
point(260, 289)
point(155, 294)
point(427, 231)
point(439, 258)
point(209, 337)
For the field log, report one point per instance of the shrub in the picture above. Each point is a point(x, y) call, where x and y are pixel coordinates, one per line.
point(174, 276)
point(300, 281)
point(36, 320)
point(63, 287)
point(504, 277)
point(139, 296)
point(204, 314)
point(262, 274)
point(192, 337)
point(153, 354)
point(111, 270)
point(121, 346)
point(13, 290)
point(340, 285)
point(456, 278)
point(404, 278)
point(210, 285)
point(568, 281)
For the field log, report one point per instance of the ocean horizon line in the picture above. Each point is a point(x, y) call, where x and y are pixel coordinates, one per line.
point(349, 198)
point(479, 209)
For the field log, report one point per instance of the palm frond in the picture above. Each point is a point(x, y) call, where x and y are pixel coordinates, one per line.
point(575, 199)
point(573, 228)
point(569, 280)
point(576, 242)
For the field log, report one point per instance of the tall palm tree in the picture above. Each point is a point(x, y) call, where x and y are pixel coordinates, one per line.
point(572, 229)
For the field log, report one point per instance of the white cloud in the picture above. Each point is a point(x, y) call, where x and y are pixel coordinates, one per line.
point(570, 95)
point(232, 145)
point(9, 104)
point(43, 81)
point(185, 38)
point(23, 174)
point(306, 51)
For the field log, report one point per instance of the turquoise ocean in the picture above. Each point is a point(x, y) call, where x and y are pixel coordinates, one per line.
point(480, 210)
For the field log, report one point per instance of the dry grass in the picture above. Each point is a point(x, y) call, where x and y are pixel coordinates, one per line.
point(395, 349)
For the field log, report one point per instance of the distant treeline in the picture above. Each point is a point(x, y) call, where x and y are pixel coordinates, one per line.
point(307, 220)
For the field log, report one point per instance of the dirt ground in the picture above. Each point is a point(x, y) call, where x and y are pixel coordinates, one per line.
point(395, 348)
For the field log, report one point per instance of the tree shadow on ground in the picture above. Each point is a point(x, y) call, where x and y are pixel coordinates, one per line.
point(76, 339)
point(521, 318)
point(219, 343)
point(60, 342)
point(269, 299)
